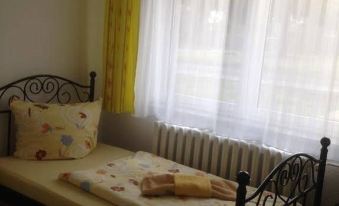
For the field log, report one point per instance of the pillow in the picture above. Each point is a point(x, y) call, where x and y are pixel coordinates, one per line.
point(55, 131)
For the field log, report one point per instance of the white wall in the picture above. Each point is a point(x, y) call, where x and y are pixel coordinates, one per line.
point(42, 36)
point(95, 16)
point(129, 132)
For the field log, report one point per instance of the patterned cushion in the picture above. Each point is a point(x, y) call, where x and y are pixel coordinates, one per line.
point(55, 131)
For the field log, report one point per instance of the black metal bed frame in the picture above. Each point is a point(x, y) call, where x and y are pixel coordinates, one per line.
point(58, 89)
point(297, 171)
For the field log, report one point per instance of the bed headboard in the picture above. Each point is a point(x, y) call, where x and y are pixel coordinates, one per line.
point(43, 88)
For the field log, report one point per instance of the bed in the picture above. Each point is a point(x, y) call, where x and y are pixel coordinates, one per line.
point(35, 182)
point(38, 180)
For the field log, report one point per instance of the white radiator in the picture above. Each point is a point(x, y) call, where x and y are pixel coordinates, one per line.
point(224, 157)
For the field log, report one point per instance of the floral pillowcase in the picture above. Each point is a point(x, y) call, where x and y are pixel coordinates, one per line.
point(55, 131)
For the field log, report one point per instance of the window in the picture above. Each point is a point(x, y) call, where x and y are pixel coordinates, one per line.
point(264, 71)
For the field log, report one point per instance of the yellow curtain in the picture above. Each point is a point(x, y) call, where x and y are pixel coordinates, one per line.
point(121, 47)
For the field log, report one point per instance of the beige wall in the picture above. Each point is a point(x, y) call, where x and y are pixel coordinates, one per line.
point(95, 16)
point(42, 36)
point(62, 37)
point(128, 132)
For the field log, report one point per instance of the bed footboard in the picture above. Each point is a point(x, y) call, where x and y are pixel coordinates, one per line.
point(301, 174)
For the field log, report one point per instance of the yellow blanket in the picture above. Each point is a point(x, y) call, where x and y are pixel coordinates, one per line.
point(188, 185)
point(192, 185)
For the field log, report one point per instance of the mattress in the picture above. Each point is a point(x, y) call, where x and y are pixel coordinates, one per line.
point(39, 179)
point(119, 181)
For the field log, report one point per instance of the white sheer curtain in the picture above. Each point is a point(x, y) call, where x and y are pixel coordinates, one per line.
point(264, 71)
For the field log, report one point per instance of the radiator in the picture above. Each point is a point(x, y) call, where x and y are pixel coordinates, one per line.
point(224, 157)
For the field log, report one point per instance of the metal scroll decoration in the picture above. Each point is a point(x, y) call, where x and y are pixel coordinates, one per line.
point(46, 88)
point(297, 176)
point(291, 182)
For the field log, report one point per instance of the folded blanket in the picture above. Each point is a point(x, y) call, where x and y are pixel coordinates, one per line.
point(188, 185)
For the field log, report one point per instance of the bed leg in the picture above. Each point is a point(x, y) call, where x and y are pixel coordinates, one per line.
point(325, 142)
point(92, 86)
point(243, 179)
